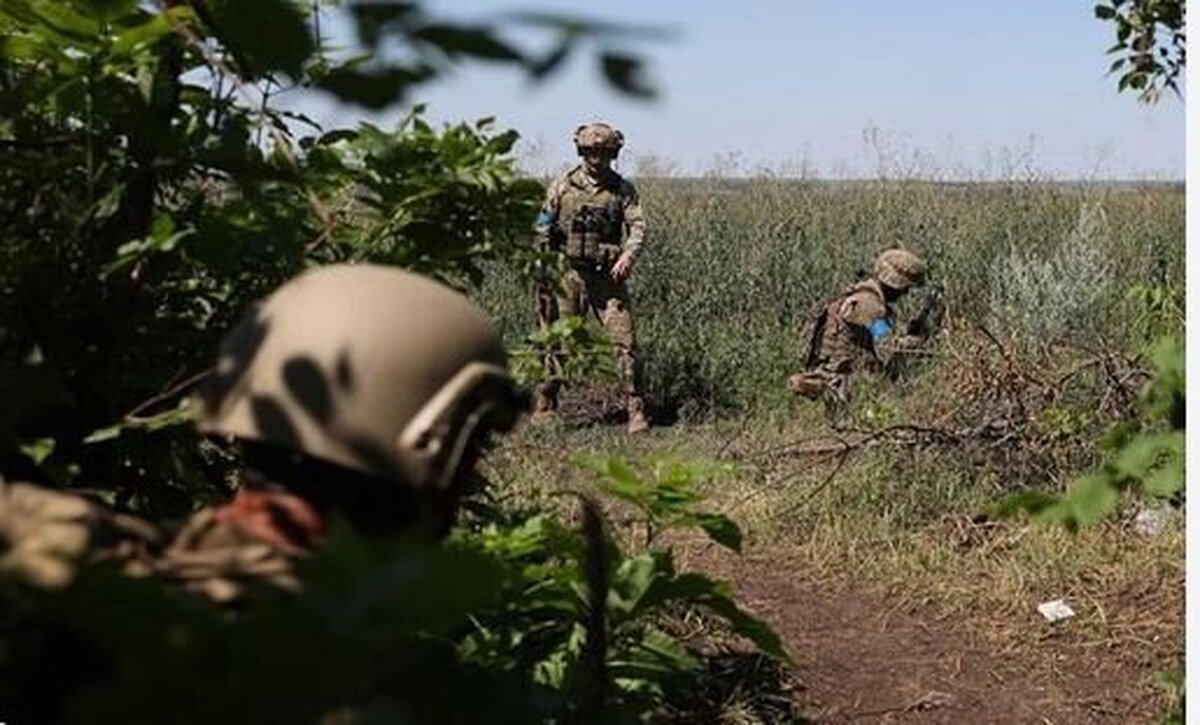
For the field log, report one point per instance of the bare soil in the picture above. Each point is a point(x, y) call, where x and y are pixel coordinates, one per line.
point(860, 659)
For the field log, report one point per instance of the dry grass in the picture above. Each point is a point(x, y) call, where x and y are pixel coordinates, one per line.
point(732, 266)
point(891, 501)
point(895, 500)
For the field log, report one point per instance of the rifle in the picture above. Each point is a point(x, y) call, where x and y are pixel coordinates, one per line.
point(929, 318)
point(545, 302)
point(545, 306)
point(896, 358)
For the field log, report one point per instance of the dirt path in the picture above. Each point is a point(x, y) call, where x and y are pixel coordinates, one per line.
point(859, 659)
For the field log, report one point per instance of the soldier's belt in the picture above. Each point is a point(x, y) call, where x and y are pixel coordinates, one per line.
point(602, 254)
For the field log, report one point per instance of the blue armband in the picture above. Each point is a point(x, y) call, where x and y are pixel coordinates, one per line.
point(544, 218)
point(879, 328)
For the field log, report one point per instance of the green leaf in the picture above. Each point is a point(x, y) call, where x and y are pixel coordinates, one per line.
point(112, 10)
point(161, 240)
point(1146, 451)
point(544, 66)
point(1030, 502)
point(108, 204)
point(625, 72)
point(722, 530)
point(1165, 481)
point(153, 30)
point(620, 472)
point(264, 35)
point(1168, 356)
point(38, 450)
point(1119, 434)
point(376, 89)
point(61, 19)
point(654, 659)
point(477, 42)
point(181, 414)
point(699, 589)
point(1089, 500)
point(632, 580)
point(107, 433)
point(372, 20)
point(1104, 12)
point(25, 48)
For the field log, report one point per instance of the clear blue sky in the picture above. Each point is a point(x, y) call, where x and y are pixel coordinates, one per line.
point(965, 88)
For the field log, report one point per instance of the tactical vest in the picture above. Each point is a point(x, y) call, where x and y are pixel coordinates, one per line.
point(593, 223)
point(823, 321)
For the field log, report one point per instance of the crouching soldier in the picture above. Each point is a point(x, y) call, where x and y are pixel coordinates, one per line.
point(856, 329)
point(359, 391)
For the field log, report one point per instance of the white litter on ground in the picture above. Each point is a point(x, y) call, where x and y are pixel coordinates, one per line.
point(1056, 611)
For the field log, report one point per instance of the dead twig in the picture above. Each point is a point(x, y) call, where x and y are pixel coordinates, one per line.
point(133, 417)
point(928, 701)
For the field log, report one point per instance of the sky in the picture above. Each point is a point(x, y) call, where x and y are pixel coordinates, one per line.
point(956, 89)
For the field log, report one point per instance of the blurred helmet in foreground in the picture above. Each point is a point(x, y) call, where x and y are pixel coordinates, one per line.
point(375, 369)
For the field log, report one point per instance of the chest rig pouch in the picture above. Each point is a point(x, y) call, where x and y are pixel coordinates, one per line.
point(593, 224)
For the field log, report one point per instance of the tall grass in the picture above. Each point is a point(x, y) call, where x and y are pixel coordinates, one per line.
point(732, 266)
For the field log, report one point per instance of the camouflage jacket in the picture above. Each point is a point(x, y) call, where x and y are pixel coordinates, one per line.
point(256, 537)
point(848, 327)
point(218, 552)
point(582, 213)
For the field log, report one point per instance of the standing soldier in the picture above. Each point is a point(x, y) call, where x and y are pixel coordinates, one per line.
point(854, 329)
point(593, 218)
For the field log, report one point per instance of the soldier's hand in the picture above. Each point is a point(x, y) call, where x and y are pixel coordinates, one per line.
point(620, 271)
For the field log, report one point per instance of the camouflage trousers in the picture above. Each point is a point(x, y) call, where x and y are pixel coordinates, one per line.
point(815, 384)
point(585, 291)
point(831, 376)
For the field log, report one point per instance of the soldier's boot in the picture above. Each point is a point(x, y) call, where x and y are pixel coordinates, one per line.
point(807, 385)
point(638, 421)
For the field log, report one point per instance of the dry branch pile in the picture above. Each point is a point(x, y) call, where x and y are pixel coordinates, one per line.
point(1032, 421)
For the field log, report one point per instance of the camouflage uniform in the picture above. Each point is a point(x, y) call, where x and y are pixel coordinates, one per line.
point(256, 537)
point(49, 534)
point(45, 535)
point(852, 331)
point(375, 417)
point(594, 220)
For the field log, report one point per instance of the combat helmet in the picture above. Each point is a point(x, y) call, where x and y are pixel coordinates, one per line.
point(900, 269)
point(371, 368)
point(598, 136)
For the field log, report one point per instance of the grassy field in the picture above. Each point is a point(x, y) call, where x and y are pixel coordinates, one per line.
point(732, 266)
point(1053, 293)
